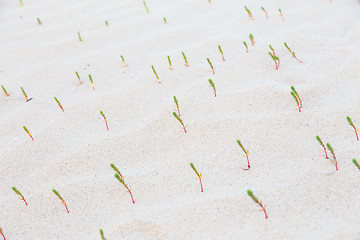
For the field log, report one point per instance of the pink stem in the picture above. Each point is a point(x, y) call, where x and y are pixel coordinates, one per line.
point(178, 111)
point(215, 92)
point(184, 127)
point(213, 71)
point(131, 196)
point(325, 153)
point(247, 157)
point(66, 208)
point(3, 236)
point(357, 137)
point(25, 202)
point(107, 127)
point(264, 211)
point(202, 190)
point(223, 58)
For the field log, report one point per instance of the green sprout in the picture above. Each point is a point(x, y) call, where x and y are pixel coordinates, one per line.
point(102, 234)
point(106, 23)
point(262, 8)
point(116, 170)
point(181, 122)
point(25, 95)
point(21, 3)
point(80, 39)
point(3, 88)
point(245, 151)
point(221, 53)
point(252, 39)
point(170, 66)
point(212, 68)
point(322, 144)
point(21, 197)
point(80, 82)
point(121, 180)
point(334, 161)
point(199, 175)
point(272, 49)
point(352, 124)
point(186, 62)
point(39, 22)
point(356, 163)
point(282, 16)
point(275, 59)
point(147, 10)
point(292, 53)
point(58, 102)
point(247, 49)
point(62, 200)
point(296, 97)
point(28, 132)
point(123, 60)
point(251, 194)
point(157, 77)
point(212, 84)
point(165, 20)
point(177, 105)
point(103, 115)
point(91, 82)
point(249, 13)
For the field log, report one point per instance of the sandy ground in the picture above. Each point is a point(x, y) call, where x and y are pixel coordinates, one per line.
point(304, 196)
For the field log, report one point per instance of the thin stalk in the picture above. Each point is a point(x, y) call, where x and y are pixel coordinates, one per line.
point(181, 122)
point(103, 115)
point(80, 39)
point(212, 84)
point(2, 234)
point(27, 131)
point(212, 68)
point(247, 49)
point(170, 67)
point(322, 144)
point(334, 161)
point(102, 234)
point(157, 77)
point(177, 105)
point(3, 88)
point(121, 180)
point(185, 59)
point(147, 10)
point(250, 193)
point(58, 102)
point(222, 54)
point(80, 82)
point(262, 8)
point(352, 124)
point(91, 82)
point(245, 151)
point(356, 163)
point(21, 197)
point(199, 175)
point(62, 200)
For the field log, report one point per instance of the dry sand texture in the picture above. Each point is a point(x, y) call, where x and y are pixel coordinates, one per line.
point(304, 196)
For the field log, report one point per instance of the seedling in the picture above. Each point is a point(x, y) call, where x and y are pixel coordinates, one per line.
point(116, 170)
point(273, 51)
point(157, 77)
point(262, 8)
point(106, 23)
point(170, 67)
point(181, 122)
point(296, 97)
point(334, 161)
point(177, 105)
point(27, 131)
point(276, 60)
point(165, 20)
point(80, 82)
point(212, 68)
point(186, 62)
point(252, 39)
point(292, 53)
point(245, 151)
point(122, 58)
point(102, 114)
point(39, 22)
point(21, 3)
point(1, 232)
point(249, 13)
point(352, 124)
point(25, 95)
point(62, 200)
point(91, 82)
point(282, 16)
point(322, 144)
point(147, 10)
point(102, 234)
point(247, 49)
point(251, 194)
point(221, 53)
point(21, 197)
point(79, 37)
point(3, 88)
point(60, 106)
point(121, 180)
point(356, 163)
point(213, 86)
point(199, 175)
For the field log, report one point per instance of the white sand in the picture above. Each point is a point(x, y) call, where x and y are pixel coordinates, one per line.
point(304, 196)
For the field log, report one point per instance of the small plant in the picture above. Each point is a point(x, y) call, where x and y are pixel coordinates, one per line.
point(252, 39)
point(21, 3)
point(91, 82)
point(251, 194)
point(21, 197)
point(60, 106)
point(147, 10)
point(199, 175)
point(3, 88)
point(186, 62)
point(157, 77)
point(165, 20)
point(221, 53)
point(122, 58)
point(177, 105)
point(25, 95)
point(106, 23)
point(170, 67)
point(27, 131)
point(181, 122)
point(62, 200)
point(322, 144)
point(116, 170)
point(296, 97)
point(276, 60)
point(39, 22)
point(102, 234)
point(245, 151)
point(212, 85)
point(247, 49)
point(282, 16)
point(212, 68)
point(80, 39)
point(334, 161)
point(292, 53)
point(356, 163)
point(80, 82)
point(249, 13)
point(266, 14)
point(121, 180)
point(273, 51)
point(352, 124)
point(1, 231)
point(102, 114)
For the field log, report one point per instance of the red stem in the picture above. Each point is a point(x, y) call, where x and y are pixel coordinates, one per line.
point(107, 127)
point(178, 110)
point(61, 108)
point(223, 58)
point(355, 130)
point(25, 201)
point(3, 236)
point(215, 92)
point(213, 70)
point(264, 211)
point(131, 195)
point(184, 127)
point(247, 157)
point(325, 153)
point(202, 190)
point(298, 59)
point(66, 208)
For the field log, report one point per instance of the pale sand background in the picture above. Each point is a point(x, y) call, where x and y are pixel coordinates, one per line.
point(304, 196)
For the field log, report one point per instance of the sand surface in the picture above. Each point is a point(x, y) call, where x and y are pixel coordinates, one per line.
point(304, 196)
